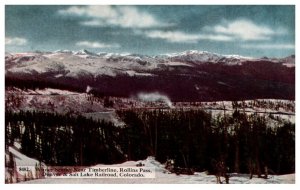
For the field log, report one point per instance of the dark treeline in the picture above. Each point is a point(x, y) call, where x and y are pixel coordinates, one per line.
point(42, 82)
point(193, 139)
point(63, 139)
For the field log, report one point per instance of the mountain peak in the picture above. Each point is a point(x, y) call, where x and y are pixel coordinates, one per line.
point(63, 51)
point(84, 52)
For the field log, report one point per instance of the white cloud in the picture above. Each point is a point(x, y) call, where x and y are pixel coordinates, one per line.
point(89, 44)
point(268, 46)
point(105, 15)
point(245, 30)
point(15, 41)
point(97, 11)
point(216, 37)
point(236, 30)
point(181, 37)
point(173, 36)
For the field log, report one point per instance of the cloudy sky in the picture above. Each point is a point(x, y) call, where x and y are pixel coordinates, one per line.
point(245, 30)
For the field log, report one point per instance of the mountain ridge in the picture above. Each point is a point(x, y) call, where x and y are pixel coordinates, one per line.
point(188, 55)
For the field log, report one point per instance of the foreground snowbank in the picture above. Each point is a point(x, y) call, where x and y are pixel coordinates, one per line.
point(20, 167)
point(162, 176)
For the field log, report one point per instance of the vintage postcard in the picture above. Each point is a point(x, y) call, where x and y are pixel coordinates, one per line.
point(162, 94)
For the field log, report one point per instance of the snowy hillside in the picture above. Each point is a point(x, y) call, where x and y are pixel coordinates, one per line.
point(64, 101)
point(59, 101)
point(20, 161)
point(163, 176)
point(275, 110)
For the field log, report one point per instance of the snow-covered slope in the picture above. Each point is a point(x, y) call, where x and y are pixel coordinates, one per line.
point(25, 168)
point(75, 64)
point(60, 101)
point(195, 56)
point(162, 176)
point(64, 101)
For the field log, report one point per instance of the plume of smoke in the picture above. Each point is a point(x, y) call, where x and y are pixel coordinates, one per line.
point(88, 89)
point(154, 97)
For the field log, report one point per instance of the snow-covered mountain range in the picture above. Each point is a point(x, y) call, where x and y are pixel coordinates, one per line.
point(189, 75)
point(78, 63)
